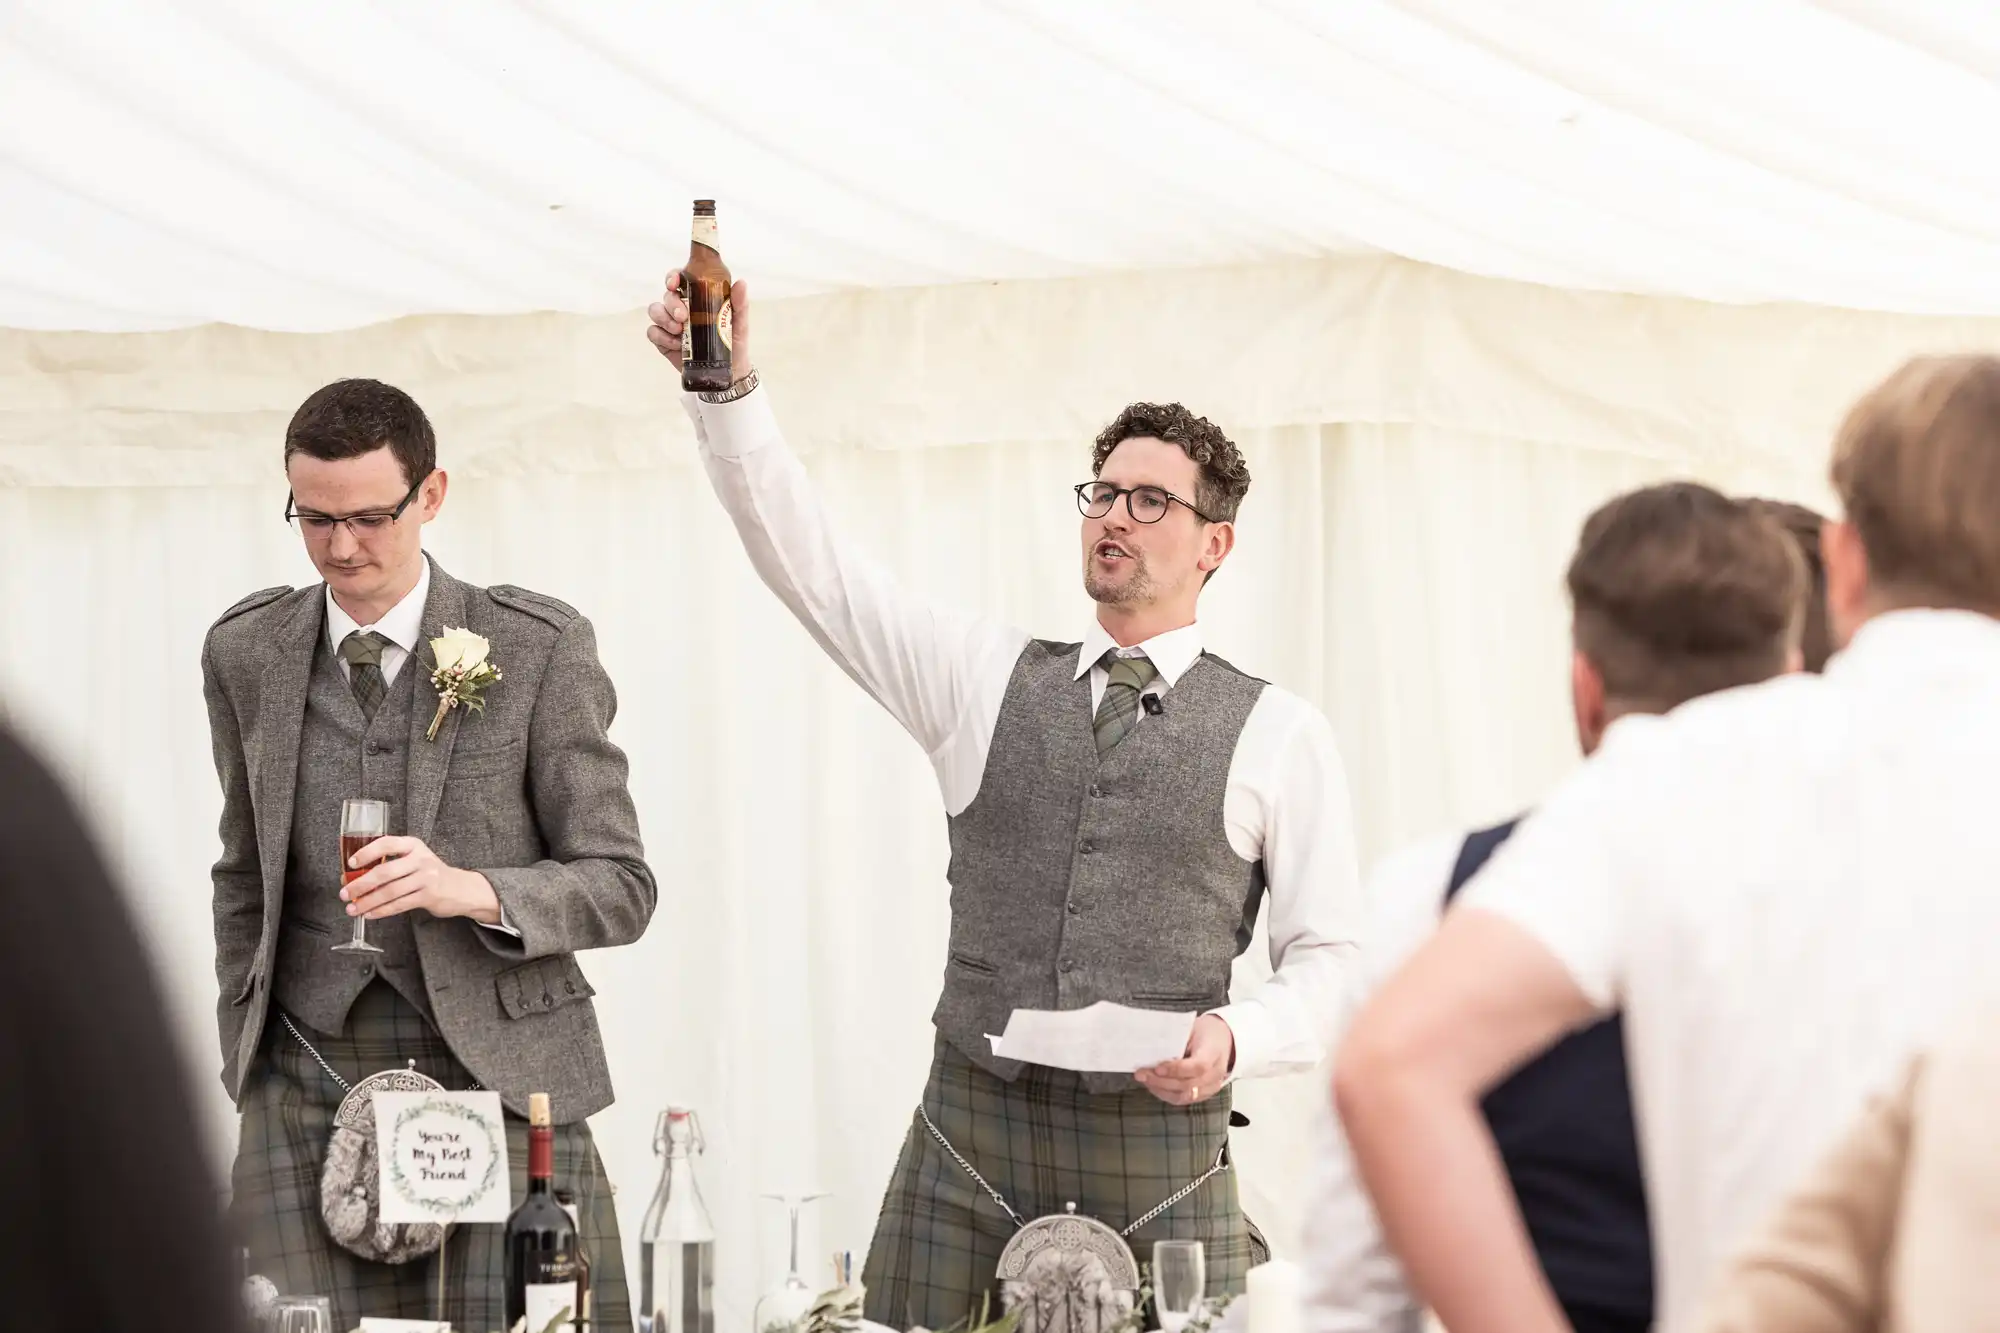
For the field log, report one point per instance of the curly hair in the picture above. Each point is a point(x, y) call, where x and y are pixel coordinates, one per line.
point(1225, 477)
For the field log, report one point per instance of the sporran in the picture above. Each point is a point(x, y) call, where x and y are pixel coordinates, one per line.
point(1067, 1273)
point(350, 1178)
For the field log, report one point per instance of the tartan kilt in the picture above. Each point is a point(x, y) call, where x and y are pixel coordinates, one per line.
point(1043, 1142)
point(287, 1120)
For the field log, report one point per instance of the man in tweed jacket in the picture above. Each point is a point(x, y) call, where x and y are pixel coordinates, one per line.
point(514, 845)
point(1119, 809)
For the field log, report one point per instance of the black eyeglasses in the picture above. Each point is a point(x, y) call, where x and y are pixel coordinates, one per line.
point(361, 525)
point(1146, 504)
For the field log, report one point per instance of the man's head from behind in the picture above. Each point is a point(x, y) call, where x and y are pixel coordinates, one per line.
point(1677, 591)
point(1805, 526)
point(1156, 544)
point(1917, 468)
point(362, 461)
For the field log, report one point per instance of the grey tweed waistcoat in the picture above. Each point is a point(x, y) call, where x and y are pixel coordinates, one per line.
point(342, 754)
point(1075, 880)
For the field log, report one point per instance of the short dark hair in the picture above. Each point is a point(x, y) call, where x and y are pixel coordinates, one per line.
point(1803, 526)
point(349, 418)
point(1225, 477)
point(1678, 590)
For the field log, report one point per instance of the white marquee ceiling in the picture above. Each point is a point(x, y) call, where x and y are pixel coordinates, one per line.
point(321, 166)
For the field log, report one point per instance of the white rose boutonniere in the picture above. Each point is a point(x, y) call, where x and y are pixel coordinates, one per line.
point(462, 673)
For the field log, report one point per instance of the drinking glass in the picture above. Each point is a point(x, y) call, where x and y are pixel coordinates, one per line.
point(1179, 1282)
point(361, 822)
point(302, 1314)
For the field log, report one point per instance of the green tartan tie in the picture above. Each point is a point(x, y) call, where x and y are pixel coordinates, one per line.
point(1118, 710)
point(363, 654)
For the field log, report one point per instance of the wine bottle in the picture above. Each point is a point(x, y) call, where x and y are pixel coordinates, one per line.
point(542, 1241)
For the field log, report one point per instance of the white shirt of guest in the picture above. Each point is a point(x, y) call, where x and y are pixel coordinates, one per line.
point(1784, 886)
point(942, 673)
point(1353, 1283)
point(402, 625)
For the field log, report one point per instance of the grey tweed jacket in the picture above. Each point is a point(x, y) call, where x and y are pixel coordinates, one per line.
point(531, 793)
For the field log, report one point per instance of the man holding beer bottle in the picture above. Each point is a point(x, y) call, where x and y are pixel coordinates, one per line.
point(1118, 808)
point(511, 844)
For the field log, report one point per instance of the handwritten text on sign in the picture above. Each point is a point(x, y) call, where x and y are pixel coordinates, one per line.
point(443, 1155)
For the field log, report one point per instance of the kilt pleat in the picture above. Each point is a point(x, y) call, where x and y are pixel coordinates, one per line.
point(287, 1120)
point(1043, 1142)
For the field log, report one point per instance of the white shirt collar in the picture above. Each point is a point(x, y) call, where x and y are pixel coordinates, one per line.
point(1922, 642)
point(402, 626)
point(1171, 653)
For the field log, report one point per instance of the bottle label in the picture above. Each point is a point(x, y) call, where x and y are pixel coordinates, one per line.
point(706, 233)
point(722, 326)
point(551, 1303)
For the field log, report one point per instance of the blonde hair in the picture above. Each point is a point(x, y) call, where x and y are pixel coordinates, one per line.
point(1917, 467)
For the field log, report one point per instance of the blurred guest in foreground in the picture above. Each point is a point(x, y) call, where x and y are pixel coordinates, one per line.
point(116, 1214)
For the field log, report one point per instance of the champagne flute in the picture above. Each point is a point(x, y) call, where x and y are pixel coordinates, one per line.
point(1179, 1282)
point(361, 822)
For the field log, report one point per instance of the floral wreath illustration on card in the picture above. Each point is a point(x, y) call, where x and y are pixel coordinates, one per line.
point(444, 1208)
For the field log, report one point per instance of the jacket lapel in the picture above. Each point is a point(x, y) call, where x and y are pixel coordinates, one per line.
point(429, 759)
point(281, 709)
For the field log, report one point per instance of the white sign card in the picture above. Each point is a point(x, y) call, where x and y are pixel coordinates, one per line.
point(443, 1157)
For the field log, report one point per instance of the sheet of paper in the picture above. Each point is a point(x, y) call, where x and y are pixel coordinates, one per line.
point(1104, 1038)
point(443, 1157)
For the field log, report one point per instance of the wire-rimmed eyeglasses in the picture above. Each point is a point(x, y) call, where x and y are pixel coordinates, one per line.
point(1146, 504)
point(363, 524)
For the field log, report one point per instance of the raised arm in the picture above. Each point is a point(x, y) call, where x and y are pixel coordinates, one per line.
point(922, 662)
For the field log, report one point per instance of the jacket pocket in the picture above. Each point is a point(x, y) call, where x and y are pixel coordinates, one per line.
point(485, 762)
point(971, 964)
point(1171, 999)
point(541, 986)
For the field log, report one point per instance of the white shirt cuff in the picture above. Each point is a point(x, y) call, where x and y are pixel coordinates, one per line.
point(504, 926)
point(731, 430)
point(1250, 1025)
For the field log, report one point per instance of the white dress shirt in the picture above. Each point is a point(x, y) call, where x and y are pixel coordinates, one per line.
point(1353, 1284)
point(942, 673)
point(1784, 886)
point(402, 625)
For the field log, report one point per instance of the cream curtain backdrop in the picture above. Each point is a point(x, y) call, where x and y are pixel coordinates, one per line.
point(1423, 443)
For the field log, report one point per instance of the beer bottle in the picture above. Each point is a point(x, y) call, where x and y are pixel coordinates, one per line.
point(705, 288)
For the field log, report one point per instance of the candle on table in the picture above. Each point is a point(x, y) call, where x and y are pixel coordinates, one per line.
point(1275, 1292)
